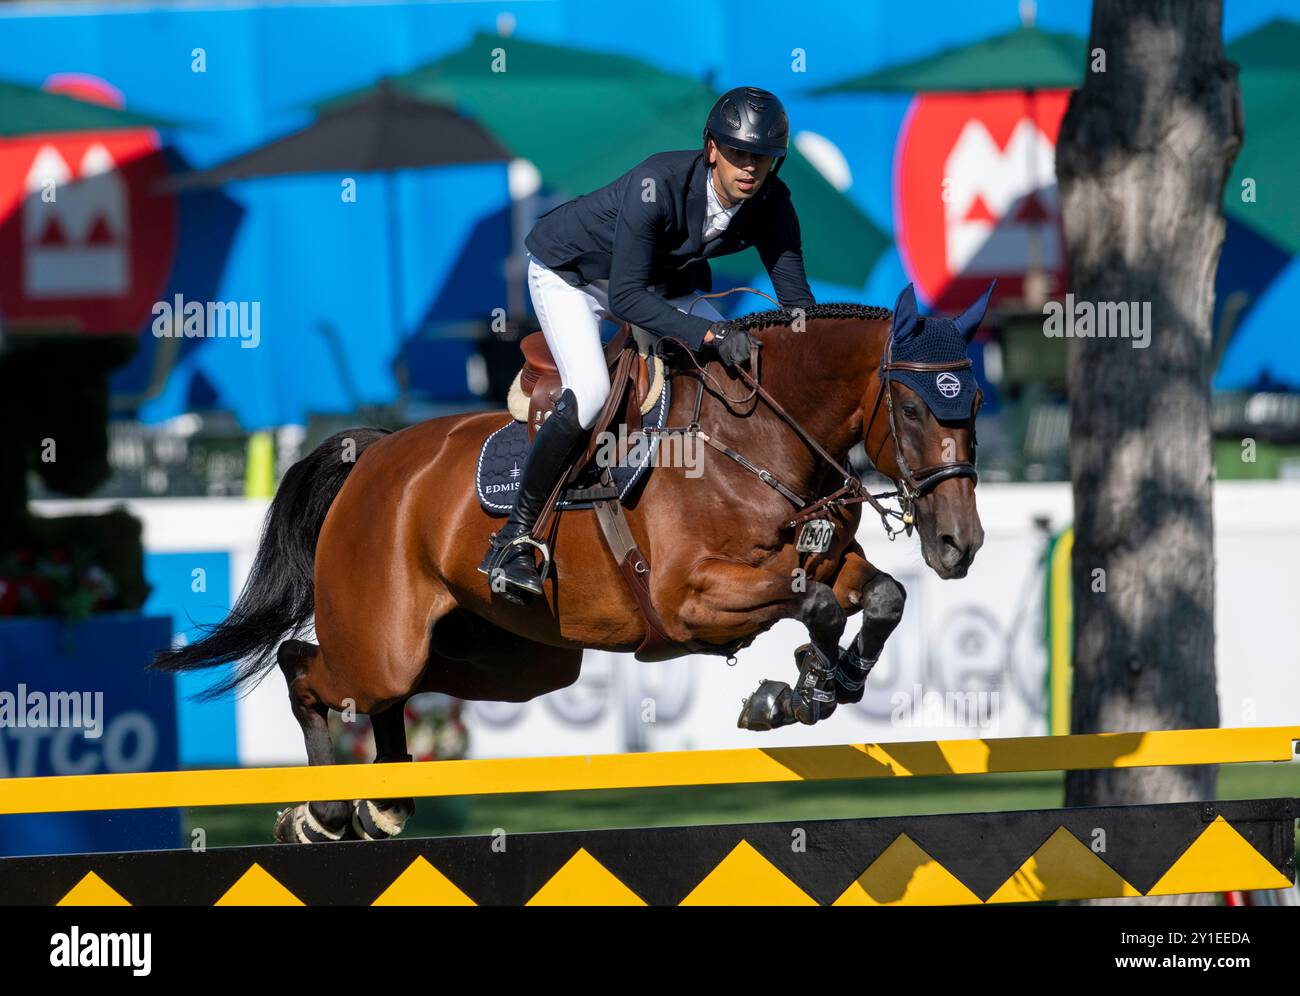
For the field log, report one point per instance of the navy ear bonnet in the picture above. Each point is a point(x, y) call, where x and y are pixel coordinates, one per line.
point(949, 394)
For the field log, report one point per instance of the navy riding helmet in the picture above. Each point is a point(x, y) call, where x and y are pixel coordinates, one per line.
point(949, 394)
point(746, 117)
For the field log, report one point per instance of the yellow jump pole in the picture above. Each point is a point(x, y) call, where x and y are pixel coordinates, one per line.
point(150, 790)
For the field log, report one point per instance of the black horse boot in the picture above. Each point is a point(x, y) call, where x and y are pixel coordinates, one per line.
point(510, 553)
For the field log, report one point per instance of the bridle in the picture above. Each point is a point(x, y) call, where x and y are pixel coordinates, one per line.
point(911, 485)
point(916, 484)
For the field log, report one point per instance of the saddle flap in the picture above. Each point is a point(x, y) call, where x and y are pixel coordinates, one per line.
point(614, 348)
point(541, 400)
point(622, 406)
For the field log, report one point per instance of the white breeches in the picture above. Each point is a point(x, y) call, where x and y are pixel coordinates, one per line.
point(570, 318)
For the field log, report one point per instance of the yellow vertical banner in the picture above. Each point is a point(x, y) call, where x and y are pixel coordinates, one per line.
point(1060, 633)
point(259, 471)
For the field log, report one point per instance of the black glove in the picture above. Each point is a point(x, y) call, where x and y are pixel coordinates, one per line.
point(731, 343)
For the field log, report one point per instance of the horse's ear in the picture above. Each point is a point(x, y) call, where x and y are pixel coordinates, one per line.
point(968, 322)
point(905, 318)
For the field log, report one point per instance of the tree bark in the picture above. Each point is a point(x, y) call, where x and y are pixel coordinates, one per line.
point(1144, 153)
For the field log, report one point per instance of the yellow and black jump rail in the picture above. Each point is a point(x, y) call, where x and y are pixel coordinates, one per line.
point(948, 859)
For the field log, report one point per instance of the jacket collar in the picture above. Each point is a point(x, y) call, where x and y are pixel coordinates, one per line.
point(696, 203)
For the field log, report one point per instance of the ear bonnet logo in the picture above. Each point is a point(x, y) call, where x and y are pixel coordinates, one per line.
point(948, 384)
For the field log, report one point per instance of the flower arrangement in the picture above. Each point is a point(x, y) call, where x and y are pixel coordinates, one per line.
point(54, 583)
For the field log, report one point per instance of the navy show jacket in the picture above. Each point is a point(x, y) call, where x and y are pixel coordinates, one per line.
point(646, 229)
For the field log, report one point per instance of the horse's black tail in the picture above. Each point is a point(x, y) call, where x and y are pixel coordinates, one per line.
point(279, 596)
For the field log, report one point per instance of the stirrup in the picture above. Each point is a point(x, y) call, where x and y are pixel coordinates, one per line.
point(496, 554)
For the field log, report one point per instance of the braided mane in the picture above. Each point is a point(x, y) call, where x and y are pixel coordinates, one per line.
point(834, 309)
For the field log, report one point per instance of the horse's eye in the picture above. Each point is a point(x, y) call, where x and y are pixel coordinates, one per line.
point(911, 411)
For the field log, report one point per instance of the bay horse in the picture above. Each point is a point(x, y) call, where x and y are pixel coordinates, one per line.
point(378, 536)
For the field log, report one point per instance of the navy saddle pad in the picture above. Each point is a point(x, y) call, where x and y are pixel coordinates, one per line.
point(501, 462)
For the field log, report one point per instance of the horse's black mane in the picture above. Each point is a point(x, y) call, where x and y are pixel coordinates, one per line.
point(834, 309)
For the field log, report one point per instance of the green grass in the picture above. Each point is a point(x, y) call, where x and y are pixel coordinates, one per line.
point(732, 804)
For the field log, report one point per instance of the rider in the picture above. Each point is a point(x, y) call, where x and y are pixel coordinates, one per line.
point(637, 250)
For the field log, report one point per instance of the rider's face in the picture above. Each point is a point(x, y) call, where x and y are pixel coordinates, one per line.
point(740, 173)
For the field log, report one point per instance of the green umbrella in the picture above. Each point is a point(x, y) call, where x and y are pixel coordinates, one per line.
point(583, 117)
point(1270, 46)
point(26, 110)
point(1270, 154)
point(1025, 59)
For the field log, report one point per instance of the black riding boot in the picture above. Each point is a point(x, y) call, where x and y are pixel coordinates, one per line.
point(547, 459)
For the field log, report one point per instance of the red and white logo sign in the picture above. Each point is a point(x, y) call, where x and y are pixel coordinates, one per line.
point(77, 244)
point(93, 239)
point(975, 193)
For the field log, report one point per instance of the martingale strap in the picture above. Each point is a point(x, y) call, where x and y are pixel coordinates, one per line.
point(762, 473)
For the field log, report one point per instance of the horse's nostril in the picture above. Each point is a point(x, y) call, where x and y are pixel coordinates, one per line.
point(952, 552)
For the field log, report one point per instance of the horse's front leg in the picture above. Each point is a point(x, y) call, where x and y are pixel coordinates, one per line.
point(859, 585)
point(729, 598)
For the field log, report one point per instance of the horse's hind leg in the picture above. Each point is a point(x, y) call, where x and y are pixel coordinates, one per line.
point(379, 819)
point(312, 822)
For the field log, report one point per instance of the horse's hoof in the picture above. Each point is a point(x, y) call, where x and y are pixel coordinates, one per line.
point(297, 825)
point(284, 832)
point(767, 708)
point(370, 821)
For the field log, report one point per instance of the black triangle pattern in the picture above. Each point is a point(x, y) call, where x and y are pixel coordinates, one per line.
point(663, 865)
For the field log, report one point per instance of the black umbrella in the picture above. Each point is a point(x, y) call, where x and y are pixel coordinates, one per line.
point(383, 131)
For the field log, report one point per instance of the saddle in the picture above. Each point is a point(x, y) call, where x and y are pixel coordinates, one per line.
point(636, 382)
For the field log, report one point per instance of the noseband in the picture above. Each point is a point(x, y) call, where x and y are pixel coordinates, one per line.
point(916, 484)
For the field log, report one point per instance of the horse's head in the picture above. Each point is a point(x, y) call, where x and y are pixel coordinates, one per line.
point(920, 429)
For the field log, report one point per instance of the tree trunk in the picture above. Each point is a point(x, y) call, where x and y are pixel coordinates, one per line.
point(1144, 152)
